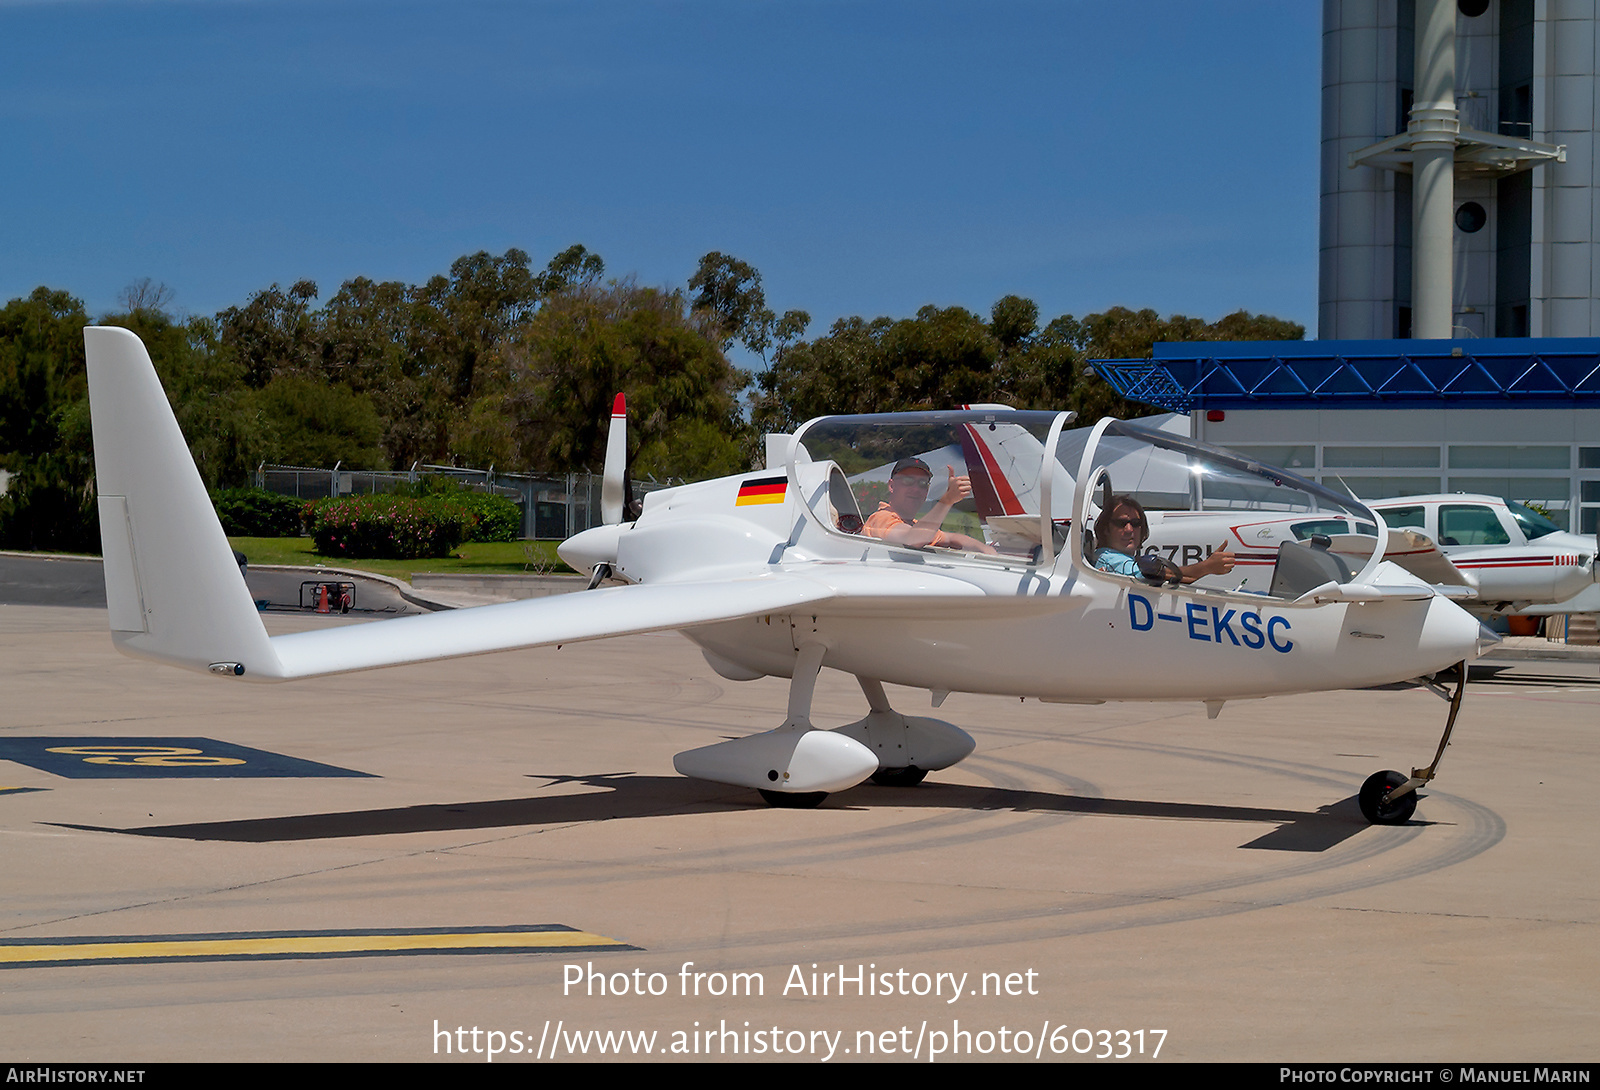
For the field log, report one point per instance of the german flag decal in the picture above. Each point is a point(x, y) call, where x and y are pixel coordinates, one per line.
point(761, 490)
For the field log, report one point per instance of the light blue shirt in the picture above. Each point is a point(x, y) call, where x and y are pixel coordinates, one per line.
point(1116, 563)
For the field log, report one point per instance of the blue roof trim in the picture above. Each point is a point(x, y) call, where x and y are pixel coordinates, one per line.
point(1530, 373)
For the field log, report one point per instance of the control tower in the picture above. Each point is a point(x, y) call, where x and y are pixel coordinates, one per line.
point(1459, 194)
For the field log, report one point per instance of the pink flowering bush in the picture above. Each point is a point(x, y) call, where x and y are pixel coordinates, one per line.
point(388, 527)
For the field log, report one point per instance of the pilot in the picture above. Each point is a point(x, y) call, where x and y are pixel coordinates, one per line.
point(1122, 530)
point(896, 520)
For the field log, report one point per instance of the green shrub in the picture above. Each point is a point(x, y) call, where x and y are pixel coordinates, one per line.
point(255, 512)
point(46, 514)
point(388, 527)
point(495, 518)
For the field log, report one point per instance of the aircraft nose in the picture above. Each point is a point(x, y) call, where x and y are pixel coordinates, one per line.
point(596, 545)
point(1488, 638)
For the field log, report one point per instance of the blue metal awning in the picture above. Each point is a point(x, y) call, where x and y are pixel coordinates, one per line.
point(1525, 372)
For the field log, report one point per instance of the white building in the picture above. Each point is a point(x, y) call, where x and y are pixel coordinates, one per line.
point(1513, 418)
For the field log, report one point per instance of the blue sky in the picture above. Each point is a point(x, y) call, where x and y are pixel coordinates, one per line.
point(867, 157)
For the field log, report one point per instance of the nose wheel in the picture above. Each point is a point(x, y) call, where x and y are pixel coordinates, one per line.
point(1390, 797)
point(1380, 805)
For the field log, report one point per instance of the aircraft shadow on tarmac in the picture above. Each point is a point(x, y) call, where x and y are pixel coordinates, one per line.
point(1519, 674)
point(1525, 678)
point(630, 796)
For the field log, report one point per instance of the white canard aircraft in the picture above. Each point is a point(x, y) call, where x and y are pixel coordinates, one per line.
point(774, 573)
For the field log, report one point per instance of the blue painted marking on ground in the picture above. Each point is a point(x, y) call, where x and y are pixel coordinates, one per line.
point(83, 758)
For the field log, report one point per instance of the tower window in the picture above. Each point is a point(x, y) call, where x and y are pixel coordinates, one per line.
point(1471, 217)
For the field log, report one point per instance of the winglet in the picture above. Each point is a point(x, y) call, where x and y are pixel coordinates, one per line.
point(173, 590)
point(613, 488)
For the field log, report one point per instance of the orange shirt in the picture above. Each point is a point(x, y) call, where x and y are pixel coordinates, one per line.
point(885, 519)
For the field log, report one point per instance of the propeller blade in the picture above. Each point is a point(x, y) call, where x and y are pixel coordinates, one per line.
point(613, 491)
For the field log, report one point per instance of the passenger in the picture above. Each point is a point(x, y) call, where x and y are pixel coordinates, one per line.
point(896, 520)
point(1122, 529)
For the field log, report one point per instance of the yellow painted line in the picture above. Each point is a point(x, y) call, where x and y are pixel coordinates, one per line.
point(287, 945)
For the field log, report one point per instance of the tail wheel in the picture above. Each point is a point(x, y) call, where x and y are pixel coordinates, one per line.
point(1376, 805)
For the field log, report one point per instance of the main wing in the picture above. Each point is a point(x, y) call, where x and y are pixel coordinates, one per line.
point(175, 595)
point(536, 622)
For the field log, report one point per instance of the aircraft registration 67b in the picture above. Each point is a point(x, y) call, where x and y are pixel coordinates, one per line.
point(984, 550)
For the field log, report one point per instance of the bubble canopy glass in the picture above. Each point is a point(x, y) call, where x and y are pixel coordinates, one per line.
point(1000, 452)
point(1172, 473)
point(1017, 493)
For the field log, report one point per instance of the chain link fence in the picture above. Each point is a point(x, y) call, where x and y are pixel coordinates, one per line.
point(554, 506)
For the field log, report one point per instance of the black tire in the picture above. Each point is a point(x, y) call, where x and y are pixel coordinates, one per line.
point(909, 776)
point(1378, 808)
point(794, 800)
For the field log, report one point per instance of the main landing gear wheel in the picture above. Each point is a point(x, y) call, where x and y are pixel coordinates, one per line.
point(793, 800)
point(1376, 805)
point(909, 776)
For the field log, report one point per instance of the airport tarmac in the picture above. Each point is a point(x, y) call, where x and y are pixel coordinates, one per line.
point(1118, 879)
